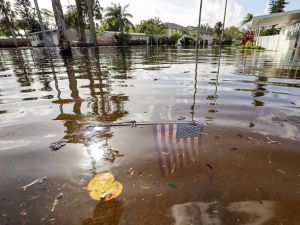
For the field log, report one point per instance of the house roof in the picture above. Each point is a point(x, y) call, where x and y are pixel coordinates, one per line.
point(40, 32)
point(174, 25)
point(279, 19)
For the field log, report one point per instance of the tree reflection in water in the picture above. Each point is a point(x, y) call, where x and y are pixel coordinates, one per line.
point(103, 107)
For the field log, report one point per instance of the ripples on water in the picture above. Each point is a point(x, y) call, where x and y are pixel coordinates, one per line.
point(44, 100)
point(151, 85)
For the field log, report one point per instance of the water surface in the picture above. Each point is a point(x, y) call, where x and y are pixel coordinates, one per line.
point(243, 168)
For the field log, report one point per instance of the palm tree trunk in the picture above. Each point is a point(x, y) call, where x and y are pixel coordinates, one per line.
point(223, 26)
point(63, 39)
point(93, 35)
point(13, 34)
point(12, 31)
point(82, 37)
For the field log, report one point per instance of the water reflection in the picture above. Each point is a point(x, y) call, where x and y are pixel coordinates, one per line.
point(115, 85)
point(217, 213)
point(106, 213)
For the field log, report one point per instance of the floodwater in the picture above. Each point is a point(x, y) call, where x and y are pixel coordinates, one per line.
point(216, 145)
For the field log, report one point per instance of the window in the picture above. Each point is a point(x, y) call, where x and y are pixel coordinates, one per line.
point(293, 31)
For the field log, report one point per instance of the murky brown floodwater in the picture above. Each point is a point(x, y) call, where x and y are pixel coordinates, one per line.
point(239, 163)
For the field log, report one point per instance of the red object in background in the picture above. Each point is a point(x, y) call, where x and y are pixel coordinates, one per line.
point(248, 37)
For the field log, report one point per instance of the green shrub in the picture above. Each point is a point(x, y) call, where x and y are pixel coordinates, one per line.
point(174, 38)
point(187, 40)
point(137, 42)
point(122, 39)
point(248, 44)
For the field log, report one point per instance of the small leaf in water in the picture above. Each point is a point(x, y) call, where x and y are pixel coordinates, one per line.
point(171, 184)
point(104, 187)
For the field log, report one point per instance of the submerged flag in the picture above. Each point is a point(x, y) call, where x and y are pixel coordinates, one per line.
point(177, 144)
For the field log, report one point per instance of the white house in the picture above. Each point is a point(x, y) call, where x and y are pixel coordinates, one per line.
point(37, 38)
point(206, 36)
point(289, 25)
point(106, 38)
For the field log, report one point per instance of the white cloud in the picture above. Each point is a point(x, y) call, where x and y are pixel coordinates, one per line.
point(176, 11)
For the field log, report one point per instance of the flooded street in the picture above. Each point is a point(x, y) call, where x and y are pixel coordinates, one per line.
point(213, 144)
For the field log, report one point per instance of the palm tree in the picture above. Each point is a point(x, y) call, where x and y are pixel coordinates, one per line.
point(8, 15)
point(117, 18)
point(248, 18)
point(90, 11)
point(64, 43)
point(80, 17)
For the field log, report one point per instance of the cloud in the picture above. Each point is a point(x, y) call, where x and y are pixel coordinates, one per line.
point(177, 11)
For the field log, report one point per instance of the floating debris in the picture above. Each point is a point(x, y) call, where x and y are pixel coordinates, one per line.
point(104, 187)
point(181, 118)
point(23, 213)
point(251, 124)
point(186, 71)
point(233, 149)
point(239, 135)
point(57, 145)
point(62, 187)
point(209, 166)
point(111, 155)
point(281, 171)
point(33, 198)
point(173, 168)
point(270, 141)
point(269, 159)
point(130, 172)
point(56, 201)
point(171, 184)
point(40, 180)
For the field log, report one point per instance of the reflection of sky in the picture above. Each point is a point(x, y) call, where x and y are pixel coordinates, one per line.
point(11, 144)
point(96, 150)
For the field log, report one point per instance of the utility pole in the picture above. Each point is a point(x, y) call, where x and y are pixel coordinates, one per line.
point(42, 26)
point(93, 35)
point(63, 39)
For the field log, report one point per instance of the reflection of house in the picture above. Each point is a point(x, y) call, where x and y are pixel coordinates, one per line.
point(206, 36)
point(37, 39)
point(106, 38)
point(289, 25)
point(7, 42)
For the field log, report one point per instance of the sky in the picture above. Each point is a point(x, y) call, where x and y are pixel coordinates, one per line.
point(185, 12)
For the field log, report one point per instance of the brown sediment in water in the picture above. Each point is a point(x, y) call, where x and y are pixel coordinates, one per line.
point(255, 173)
point(243, 169)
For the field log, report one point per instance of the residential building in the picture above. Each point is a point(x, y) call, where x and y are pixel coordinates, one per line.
point(173, 28)
point(289, 25)
point(37, 38)
point(205, 36)
point(106, 38)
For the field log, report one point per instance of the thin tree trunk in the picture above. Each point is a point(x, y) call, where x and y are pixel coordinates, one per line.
point(63, 39)
point(82, 37)
point(93, 35)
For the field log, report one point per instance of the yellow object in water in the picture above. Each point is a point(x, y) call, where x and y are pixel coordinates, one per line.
point(104, 187)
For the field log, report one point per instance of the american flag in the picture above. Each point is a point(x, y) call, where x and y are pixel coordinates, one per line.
point(177, 144)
